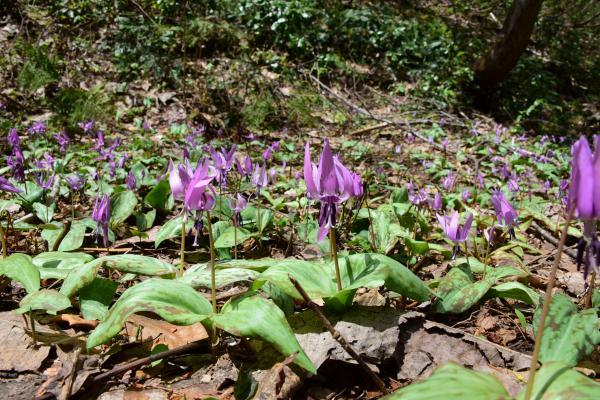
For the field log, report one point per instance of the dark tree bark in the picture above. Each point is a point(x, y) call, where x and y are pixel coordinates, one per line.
point(493, 68)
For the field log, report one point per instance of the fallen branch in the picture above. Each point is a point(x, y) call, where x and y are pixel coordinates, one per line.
point(549, 237)
point(338, 337)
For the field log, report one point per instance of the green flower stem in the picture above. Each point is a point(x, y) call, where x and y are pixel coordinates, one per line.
point(3, 239)
point(588, 297)
point(235, 241)
point(334, 255)
point(182, 261)
point(213, 282)
point(547, 300)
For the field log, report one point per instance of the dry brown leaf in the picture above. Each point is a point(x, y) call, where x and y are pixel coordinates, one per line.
point(75, 321)
point(162, 332)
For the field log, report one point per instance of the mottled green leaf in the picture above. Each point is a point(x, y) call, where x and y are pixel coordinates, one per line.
point(43, 212)
point(558, 381)
point(169, 230)
point(568, 335)
point(157, 197)
point(72, 240)
point(515, 290)
point(453, 382)
point(57, 264)
point(48, 300)
point(95, 298)
point(20, 268)
point(198, 276)
point(253, 316)
point(226, 239)
point(175, 302)
point(121, 206)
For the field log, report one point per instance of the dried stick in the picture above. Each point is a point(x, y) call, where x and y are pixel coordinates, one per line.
point(338, 336)
point(548, 236)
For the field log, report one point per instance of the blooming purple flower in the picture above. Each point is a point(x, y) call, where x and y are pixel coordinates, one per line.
point(505, 213)
point(38, 128)
point(63, 140)
point(13, 137)
point(584, 197)
point(86, 126)
point(453, 230)
point(480, 182)
point(488, 233)
point(436, 203)
point(259, 177)
point(223, 162)
point(448, 181)
point(418, 198)
point(513, 184)
point(6, 186)
point(244, 170)
point(330, 182)
point(466, 195)
point(297, 175)
point(397, 149)
point(75, 182)
point(44, 174)
point(146, 125)
point(237, 205)
point(198, 191)
point(130, 181)
point(101, 215)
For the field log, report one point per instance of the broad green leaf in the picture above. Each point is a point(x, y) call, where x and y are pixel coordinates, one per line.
point(199, 276)
point(144, 221)
point(568, 335)
point(158, 196)
point(20, 268)
point(175, 302)
point(558, 381)
point(57, 264)
point(515, 290)
point(453, 382)
point(459, 292)
point(253, 316)
point(357, 270)
point(48, 300)
point(95, 298)
point(121, 206)
point(72, 240)
point(417, 247)
point(260, 218)
point(169, 230)
point(30, 192)
point(136, 264)
point(43, 212)
point(79, 278)
point(226, 239)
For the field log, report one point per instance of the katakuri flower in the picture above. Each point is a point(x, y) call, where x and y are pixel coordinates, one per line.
point(75, 182)
point(451, 227)
point(101, 215)
point(237, 205)
point(130, 181)
point(330, 183)
point(6, 186)
point(505, 213)
point(584, 197)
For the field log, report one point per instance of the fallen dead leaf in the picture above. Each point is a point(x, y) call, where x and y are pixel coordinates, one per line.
point(280, 382)
point(162, 332)
point(75, 321)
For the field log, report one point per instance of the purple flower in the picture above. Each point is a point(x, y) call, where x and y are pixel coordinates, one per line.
point(419, 198)
point(297, 175)
point(330, 182)
point(513, 184)
point(584, 197)
point(75, 182)
point(17, 163)
point(237, 205)
point(480, 182)
point(13, 137)
point(259, 177)
point(130, 181)
point(223, 162)
point(488, 233)
point(6, 186)
point(198, 195)
point(397, 149)
point(44, 174)
point(437, 203)
point(244, 170)
point(466, 195)
point(448, 181)
point(146, 125)
point(63, 140)
point(179, 178)
point(37, 129)
point(273, 174)
point(101, 215)
point(453, 230)
point(505, 213)
point(86, 126)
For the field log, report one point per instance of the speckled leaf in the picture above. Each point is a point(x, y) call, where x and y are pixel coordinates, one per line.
point(48, 300)
point(568, 335)
point(453, 382)
point(121, 206)
point(57, 264)
point(137, 264)
point(198, 276)
point(169, 230)
point(175, 302)
point(515, 290)
point(556, 380)
point(226, 239)
point(20, 268)
point(253, 316)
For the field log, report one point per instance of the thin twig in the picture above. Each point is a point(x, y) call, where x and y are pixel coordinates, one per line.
point(549, 237)
point(338, 336)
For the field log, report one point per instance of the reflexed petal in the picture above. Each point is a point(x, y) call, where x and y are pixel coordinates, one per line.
point(582, 179)
point(327, 176)
point(309, 179)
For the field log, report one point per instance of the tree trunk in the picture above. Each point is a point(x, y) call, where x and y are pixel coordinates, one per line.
point(491, 69)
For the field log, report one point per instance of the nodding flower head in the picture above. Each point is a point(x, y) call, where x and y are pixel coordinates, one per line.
point(63, 140)
point(13, 137)
point(329, 182)
point(6, 186)
point(259, 177)
point(505, 213)
point(584, 199)
point(244, 169)
point(75, 182)
point(451, 227)
point(130, 181)
point(101, 215)
point(237, 205)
